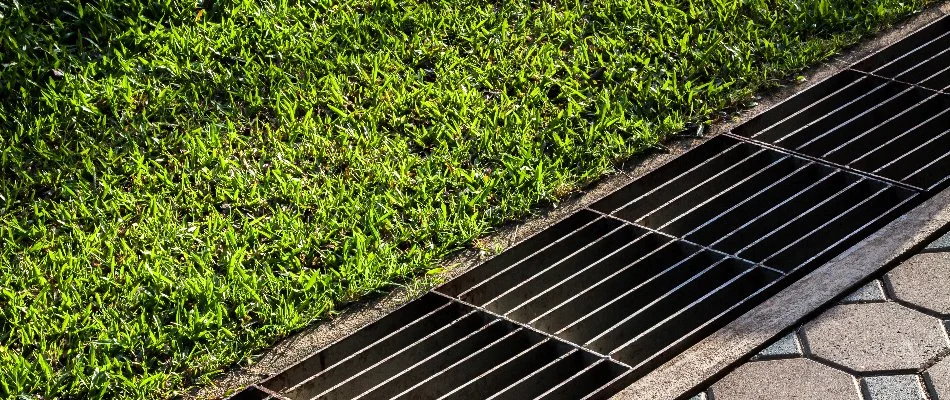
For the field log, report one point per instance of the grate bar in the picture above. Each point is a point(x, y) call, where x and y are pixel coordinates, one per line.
point(616, 243)
point(927, 67)
point(712, 188)
point(773, 134)
point(481, 360)
point(910, 111)
point(918, 86)
point(736, 194)
point(412, 333)
point(577, 306)
point(566, 289)
point(844, 85)
point(532, 329)
point(708, 213)
point(603, 321)
point(762, 242)
point(914, 57)
point(866, 202)
point(500, 377)
point(896, 62)
point(876, 177)
point(757, 204)
point(571, 244)
point(713, 250)
point(786, 141)
point(668, 174)
point(655, 199)
point(538, 381)
point(340, 386)
point(854, 232)
point(484, 293)
point(374, 336)
point(421, 373)
point(596, 375)
point(789, 206)
point(531, 247)
point(864, 160)
point(697, 289)
point(645, 349)
point(910, 156)
point(424, 362)
point(939, 79)
point(937, 165)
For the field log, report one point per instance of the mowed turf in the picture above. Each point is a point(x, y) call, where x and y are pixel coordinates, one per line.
point(181, 187)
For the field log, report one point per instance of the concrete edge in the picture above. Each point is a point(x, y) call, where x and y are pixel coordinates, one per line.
point(301, 345)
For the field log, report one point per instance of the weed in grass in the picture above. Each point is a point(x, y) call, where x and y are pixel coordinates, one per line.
point(181, 187)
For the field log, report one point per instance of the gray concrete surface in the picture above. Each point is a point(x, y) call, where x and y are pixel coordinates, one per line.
point(786, 347)
point(894, 387)
point(872, 292)
point(941, 244)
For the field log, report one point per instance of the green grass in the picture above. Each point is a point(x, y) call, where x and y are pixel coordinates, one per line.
point(181, 187)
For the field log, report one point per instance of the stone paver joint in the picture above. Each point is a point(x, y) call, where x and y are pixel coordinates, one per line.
point(938, 379)
point(941, 244)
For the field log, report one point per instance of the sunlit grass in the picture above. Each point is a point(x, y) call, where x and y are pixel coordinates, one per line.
point(182, 186)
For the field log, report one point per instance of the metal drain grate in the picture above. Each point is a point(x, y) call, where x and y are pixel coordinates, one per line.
point(761, 205)
point(436, 347)
point(634, 294)
point(884, 128)
point(922, 58)
point(589, 305)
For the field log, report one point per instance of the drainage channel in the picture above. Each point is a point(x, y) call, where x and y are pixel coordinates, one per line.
point(596, 301)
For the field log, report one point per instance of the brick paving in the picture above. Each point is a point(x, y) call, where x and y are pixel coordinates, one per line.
point(888, 340)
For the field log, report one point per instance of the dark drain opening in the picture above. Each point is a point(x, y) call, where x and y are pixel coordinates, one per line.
point(634, 265)
point(922, 58)
point(770, 207)
point(435, 347)
point(376, 341)
point(636, 294)
point(652, 347)
point(884, 128)
point(546, 239)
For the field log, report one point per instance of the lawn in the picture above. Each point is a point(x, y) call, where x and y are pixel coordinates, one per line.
point(182, 185)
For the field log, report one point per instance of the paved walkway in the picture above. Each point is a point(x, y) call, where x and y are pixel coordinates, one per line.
point(886, 341)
